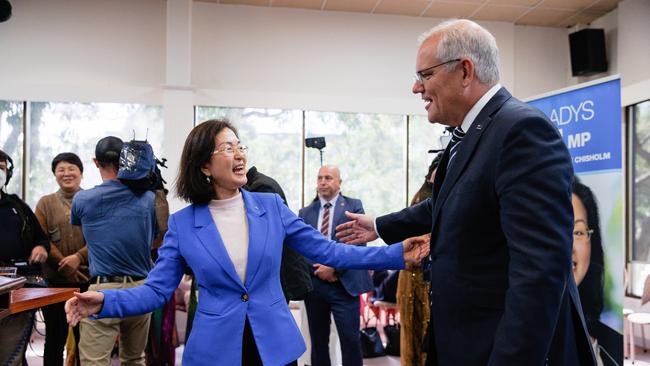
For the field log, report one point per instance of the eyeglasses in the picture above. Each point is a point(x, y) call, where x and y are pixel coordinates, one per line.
point(422, 75)
point(582, 234)
point(229, 150)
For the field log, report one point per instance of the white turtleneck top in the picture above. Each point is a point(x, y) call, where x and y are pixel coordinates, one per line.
point(229, 215)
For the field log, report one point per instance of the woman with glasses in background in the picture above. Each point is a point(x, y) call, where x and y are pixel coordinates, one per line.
point(587, 257)
point(232, 239)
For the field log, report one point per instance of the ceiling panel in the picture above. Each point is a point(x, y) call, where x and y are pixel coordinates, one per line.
point(584, 17)
point(300, 4)
point(604, 5)
point(247, 2)
point(401, 7)
point(451, 10)
point(545, 17)
point(566, 4)
point(514, 2)
point(500, 13)
point(547, 13)
point(363, 6)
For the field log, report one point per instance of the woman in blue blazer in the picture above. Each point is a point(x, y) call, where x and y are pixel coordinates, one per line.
point(232, 239)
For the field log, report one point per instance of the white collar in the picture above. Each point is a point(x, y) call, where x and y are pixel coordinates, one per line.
point(332, 201)
point(478, 107)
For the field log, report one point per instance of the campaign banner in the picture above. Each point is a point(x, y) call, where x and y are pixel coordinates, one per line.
point(588, 117)
point(589, 120)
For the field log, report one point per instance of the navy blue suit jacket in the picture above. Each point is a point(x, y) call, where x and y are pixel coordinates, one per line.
point(355, 282)
point(501, 221)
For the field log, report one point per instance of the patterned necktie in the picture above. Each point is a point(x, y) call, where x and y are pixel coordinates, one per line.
point(456, 136)
point(325, 224)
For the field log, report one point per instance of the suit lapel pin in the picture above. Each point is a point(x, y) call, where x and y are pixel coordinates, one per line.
point(478, 127)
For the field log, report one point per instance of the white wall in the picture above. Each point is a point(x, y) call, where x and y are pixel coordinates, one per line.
point(180, 53)
point(83, 50)
point(317, 60)
point(634, 50)
point(540, 60)
point(117, 50)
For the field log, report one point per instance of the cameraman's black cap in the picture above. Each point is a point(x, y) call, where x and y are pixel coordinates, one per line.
point(108, 150)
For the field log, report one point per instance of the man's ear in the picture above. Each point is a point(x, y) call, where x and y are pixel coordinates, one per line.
point(96, 162)
point(468, 71)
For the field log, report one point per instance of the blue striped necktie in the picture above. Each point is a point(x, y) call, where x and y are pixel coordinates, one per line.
point(456, 136)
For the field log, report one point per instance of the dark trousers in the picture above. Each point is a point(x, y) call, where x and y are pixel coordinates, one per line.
point(332, 298)
point(250, 356)
point(56, 333)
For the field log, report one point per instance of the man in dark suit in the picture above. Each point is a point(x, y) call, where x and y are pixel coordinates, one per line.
point(294, 270)
point(501, 220)
point(335, 291)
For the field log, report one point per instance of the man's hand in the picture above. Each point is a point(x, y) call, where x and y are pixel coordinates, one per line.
point(416, 248)
point(39, 255)
point(360, 229)
point(83, 305)
point(325, 273)
point(69, 265)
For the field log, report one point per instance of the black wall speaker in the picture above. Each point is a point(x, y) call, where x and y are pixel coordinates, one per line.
point(588, 55)
point(5, 10)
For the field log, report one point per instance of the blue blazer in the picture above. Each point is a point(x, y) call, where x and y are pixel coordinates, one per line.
point(224, 301)
point(501, 224)
point(355, 282)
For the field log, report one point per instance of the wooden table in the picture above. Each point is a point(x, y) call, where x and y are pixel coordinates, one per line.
point(33, 298)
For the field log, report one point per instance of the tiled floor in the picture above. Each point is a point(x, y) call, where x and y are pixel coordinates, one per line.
point(35, 351)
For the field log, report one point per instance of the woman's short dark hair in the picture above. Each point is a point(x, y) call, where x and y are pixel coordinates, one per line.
point(192, 185)
point(591, 287)
point(68, 157)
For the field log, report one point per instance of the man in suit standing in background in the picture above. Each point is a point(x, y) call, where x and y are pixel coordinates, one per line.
point(335, 291)
point(501, 220)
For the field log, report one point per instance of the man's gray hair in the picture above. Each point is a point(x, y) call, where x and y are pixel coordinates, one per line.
point(465, 38)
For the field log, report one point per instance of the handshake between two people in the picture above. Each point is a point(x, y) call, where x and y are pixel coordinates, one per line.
point(361, 229)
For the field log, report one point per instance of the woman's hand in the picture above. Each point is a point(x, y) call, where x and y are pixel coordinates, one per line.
point(83, 305)
point(416, 248)
point(69, 264)
point(38, 255)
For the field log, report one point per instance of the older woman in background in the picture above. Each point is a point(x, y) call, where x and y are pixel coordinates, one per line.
point(67, 264)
